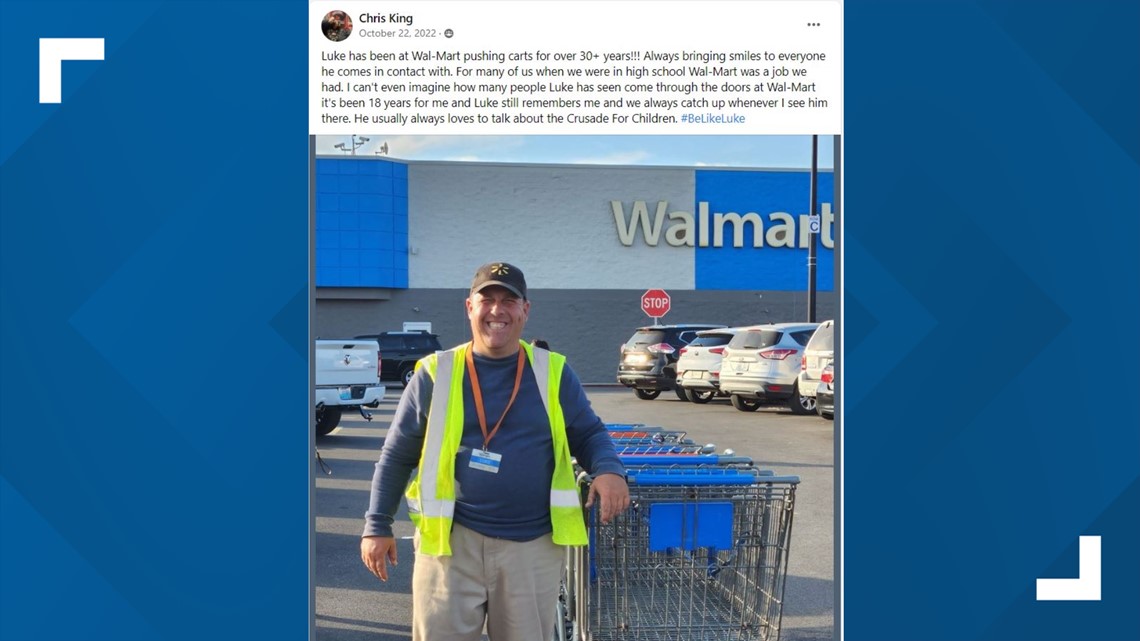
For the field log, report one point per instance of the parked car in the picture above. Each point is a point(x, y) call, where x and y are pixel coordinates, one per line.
point(825, 392)
point(762, 364)
point(698, 364)
point(401, 350)
point(347, 376)
point(648, 359)
point(818, 353)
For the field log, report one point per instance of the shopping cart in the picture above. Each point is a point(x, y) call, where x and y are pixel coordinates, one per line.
point(701, 553)
point(629, 426)
point(648, 437)
point(677, 456)
point(661, 449)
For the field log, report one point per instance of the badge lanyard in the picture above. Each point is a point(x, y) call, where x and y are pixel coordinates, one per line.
point(479, 396)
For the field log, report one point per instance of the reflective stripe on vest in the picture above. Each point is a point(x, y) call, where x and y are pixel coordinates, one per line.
point(431, 496)
point(433, 443)
point(567, 523)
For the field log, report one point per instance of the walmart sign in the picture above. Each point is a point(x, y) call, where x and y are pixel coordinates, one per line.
point(748, 229)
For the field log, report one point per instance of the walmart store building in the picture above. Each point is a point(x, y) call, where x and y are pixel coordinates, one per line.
point(399, 242)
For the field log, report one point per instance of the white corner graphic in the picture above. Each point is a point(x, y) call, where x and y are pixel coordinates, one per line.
point(1086, 587)
point(53, 51)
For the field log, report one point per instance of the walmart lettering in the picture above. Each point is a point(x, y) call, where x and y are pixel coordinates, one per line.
point(686, 229)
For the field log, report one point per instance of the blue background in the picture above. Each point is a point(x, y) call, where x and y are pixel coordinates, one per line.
point(992, 211)
point(153, 236)
point(156, 415)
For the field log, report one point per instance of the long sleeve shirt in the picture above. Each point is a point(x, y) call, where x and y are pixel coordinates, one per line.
point(513, 503)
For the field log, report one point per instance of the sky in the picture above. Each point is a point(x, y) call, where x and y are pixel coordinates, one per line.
point(686, 151)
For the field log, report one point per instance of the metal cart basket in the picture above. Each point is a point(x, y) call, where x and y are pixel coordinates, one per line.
point(656, 449)
point(649, 437)
point(702, 553)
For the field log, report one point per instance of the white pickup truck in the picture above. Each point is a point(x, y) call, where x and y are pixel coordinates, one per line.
point(347, 375)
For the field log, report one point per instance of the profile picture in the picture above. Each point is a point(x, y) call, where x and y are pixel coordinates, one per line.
point(336, 26)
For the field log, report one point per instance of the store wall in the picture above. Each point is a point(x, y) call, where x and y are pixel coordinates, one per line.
point(600, 227)
point(728, 245)
point(362, 223)
point(586, 325)
point(554, 221)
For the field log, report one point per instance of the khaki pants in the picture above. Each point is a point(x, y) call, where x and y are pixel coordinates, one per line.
point(511, 586)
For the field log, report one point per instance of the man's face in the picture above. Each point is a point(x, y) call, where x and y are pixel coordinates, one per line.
point(497, 320)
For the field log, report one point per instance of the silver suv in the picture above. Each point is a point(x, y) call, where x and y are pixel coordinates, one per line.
point(818, 353)
point(698, 368)
point(761, 365)
point(648, 359)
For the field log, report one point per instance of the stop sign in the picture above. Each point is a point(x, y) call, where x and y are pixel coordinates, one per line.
point(655, 303)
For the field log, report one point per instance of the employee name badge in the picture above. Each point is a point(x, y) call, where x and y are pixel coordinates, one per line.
point(486, 461)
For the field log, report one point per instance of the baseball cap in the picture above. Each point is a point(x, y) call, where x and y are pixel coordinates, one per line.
point(501, 274)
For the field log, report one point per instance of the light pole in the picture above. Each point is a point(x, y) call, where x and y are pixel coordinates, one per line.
point(356, 144)
point(813, 236)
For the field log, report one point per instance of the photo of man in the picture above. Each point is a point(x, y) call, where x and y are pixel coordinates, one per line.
point(336, 25)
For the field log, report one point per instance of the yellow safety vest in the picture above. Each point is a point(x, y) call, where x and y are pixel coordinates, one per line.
point(431, 496)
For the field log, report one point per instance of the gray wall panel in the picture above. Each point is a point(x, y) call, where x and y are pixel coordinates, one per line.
point(554, 221)
point(586, 325)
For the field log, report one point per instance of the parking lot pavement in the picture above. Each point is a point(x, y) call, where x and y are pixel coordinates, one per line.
point(353, 605)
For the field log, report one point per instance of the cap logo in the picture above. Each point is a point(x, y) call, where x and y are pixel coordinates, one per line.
point(499, 269)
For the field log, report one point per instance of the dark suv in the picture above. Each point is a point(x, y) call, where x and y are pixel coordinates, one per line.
point(399, 352)
point(649, 358)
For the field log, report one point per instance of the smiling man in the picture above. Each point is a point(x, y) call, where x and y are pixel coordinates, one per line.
point(494, 499)
point(498, 309)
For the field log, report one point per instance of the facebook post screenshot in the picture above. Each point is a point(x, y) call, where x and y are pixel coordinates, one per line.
point(575, 310)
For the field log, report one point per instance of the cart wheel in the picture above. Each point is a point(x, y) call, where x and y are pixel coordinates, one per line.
point(562, 630)
point(745, 404)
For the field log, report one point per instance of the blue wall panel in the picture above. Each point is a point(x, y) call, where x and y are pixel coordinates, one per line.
point(362, 223)
point(764, 268)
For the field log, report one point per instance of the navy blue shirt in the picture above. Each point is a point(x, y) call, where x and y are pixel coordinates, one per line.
point(515, 502)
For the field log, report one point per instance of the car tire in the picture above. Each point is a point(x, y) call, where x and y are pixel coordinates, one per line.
point(701, 396)
point(745, 404)
point(801, 404)
point(328, 417)
point(406, 375)
point(647, 394)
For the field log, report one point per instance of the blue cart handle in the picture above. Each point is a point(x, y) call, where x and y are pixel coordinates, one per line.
point(703, 477)
point(681, 459)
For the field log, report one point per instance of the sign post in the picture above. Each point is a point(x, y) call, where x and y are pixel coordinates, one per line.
point(655, 303)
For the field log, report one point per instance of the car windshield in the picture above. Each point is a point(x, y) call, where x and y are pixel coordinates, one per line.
point(646, 337)
point(711, 340)
point(755, 339)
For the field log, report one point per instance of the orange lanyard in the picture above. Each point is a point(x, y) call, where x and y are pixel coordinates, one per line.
point(479, 395)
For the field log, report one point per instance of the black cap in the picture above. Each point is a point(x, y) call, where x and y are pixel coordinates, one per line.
point(501, 274)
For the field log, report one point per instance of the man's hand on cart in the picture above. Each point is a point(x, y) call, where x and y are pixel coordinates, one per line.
point(613, 493)
point(377, 552)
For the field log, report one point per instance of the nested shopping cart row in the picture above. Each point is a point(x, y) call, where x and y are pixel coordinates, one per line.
point(701, 553)
point(638, 434)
